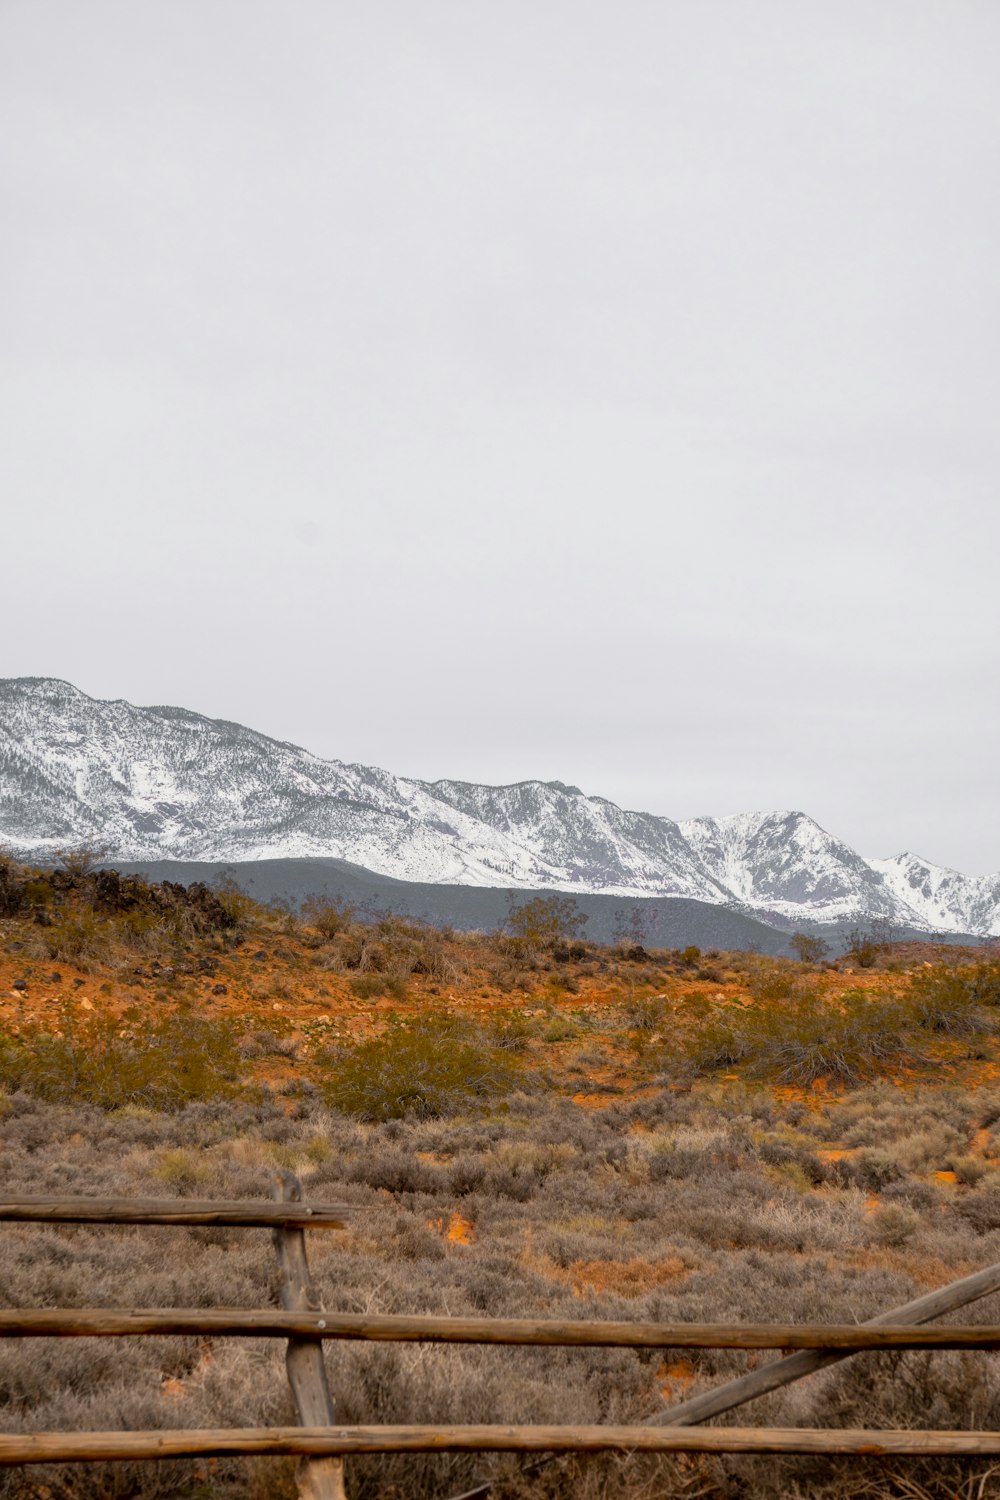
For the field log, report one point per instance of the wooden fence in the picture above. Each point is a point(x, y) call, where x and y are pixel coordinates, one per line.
point(322, 1444)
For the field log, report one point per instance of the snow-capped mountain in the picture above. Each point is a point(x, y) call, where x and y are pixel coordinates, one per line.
point(943, 899)
point(783, 862)
point(163, 783)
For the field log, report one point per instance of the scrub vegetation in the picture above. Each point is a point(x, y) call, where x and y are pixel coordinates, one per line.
point(524, 1123)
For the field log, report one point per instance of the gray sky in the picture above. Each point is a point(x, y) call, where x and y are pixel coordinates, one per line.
point(603, 392)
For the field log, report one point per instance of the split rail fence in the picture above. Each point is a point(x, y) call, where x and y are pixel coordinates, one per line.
point(322, 1444)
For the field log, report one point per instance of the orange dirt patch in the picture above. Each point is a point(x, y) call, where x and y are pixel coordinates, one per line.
point(674, 1379)
point(629, 1278)
point(929, 1272)
point(458, 1230)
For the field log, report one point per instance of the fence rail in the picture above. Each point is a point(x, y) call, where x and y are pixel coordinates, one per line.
point(318, 1442)
point(853, 1338)
point(191, 1211)
point(321, 1444)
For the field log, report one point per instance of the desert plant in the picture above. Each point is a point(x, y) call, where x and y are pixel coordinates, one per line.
point(865, 944)
point(811, 950)
point(114, 1060)
point(328, 916)
point(425, 1069)
point(800, 1040)
point(947, 1000)
point(544, 920)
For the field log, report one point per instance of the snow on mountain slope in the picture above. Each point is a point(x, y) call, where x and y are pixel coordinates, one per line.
point(590, 842)
point(163, 783)
point(149, 783)
point(943, 899)
point(785, 863)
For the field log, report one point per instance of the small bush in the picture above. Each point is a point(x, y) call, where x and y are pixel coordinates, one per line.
point(544, 921)
point(894, 1223)
point(645, 1013)
point(372, 986)
point(559, 1029)
point(865, 945)
point(810, 950)
point(328, 917)
point(426, 1069)
point(512, 1032)
point(948, 1001)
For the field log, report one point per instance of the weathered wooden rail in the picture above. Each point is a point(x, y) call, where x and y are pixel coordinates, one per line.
point(321, 1443)
point(852, 1338)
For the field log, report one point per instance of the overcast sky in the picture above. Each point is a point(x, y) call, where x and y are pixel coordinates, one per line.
point(595, 391)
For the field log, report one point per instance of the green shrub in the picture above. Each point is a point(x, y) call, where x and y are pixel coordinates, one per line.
point(646, 1013)
point(894, 1223)
point(544, 920)
point(327, 916)
point(865, 945)
point(772, 982)
point(947, 1000)
point(110, 1060)
point(425, 1069)
point(800, 1040)
point(512, 1031)
point(810, 950)
point(372, 986)
point(559, 1029)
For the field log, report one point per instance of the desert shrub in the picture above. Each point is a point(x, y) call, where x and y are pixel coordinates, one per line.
point(425, 1069)
point(801, 1040)
point(13, 887)
point(372, 986)
point(969, 1170)
point(931, 1149)
point(559, 1029)
point(810, 950)
point(948, 1000)
point(865, 944)
point(328, 916)
point(74, 937)
point(981, 1209)
point(511, 1031)
point(272, 1041)
point(544, 921)
point(983, 981)
point(109, 1060)
point(645, 1013)
point(432, 956)
point(394, 1170)
point(894, 1223)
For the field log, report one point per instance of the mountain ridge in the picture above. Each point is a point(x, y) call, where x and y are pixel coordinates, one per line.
point(160, 782)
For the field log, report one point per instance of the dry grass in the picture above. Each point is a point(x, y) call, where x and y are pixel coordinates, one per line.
point(160, 1041)
point(704, 1205)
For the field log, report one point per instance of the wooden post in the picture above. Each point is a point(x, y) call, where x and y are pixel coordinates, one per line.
point(317, 1478)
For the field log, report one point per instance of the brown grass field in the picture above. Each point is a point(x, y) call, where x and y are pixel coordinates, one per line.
point(525, 1124)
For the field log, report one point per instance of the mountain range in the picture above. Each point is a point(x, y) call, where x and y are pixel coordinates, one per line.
point(159, 783)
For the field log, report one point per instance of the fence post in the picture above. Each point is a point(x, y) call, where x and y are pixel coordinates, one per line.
point(317, 1478)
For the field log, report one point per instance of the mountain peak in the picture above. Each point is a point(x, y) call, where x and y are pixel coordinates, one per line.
point(166, 783)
